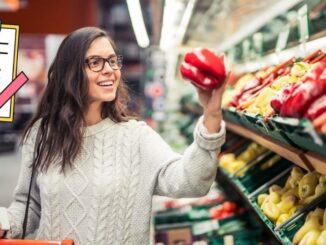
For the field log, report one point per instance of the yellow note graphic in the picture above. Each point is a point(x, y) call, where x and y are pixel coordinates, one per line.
point(8, 67)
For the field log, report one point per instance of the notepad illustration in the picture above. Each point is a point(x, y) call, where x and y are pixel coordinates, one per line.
point(9, 83)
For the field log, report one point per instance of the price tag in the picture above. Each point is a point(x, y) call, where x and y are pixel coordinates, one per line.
point(228, 240)
point(245, 49)
point(303, 17)
point(258, 43)
point(204, 227)
point(282, 39)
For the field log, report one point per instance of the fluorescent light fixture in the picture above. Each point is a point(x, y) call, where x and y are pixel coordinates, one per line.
point(171, 14)
point(185, 21)
point(137, 22)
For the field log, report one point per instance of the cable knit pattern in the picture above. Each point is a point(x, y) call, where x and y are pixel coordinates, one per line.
point(106, 197)
point(95, 211)
point(50, 221)
point(133, 183)
point(75, 209)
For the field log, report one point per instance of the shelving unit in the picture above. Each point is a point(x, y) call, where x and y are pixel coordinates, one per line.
point(231, 186)
point(251, 47)
point(275, 231)
point(306, 160)
point(276, 58)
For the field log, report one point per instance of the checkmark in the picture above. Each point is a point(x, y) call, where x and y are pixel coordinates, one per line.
point(12, 88)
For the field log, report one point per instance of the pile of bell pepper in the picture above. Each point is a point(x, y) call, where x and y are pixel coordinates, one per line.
point(291, 89)
point(225, 210)
point(306, 99)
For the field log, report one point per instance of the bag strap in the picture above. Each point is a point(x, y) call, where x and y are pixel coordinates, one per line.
point(31, 183)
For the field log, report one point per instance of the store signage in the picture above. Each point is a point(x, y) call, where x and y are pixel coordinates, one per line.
point(282, 39)
point(303, 18)
point(9, 83)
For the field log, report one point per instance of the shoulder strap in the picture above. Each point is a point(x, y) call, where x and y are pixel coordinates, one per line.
point(31, 183)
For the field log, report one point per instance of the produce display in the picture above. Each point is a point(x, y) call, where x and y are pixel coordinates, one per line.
point(314, 229)
point(203, 68)
point(225, 210)
point(233, 163)
point(291, 89)
point(300, 189)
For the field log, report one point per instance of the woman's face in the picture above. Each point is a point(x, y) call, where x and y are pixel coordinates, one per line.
point(103, 83)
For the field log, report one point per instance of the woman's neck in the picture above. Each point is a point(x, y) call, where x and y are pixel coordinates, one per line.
point(93, 114)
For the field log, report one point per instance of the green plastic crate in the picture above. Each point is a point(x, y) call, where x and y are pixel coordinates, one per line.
point(302, 133)
point(244, 237)
point(279, 180)
point(230, 114)
point(287, 232)
point(249, 120)
point(181, 216)
point(308, 142)
point(249, 232)
point(256, 177)
point(269, 129)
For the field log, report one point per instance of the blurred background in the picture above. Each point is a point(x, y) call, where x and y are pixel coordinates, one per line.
point(152, 36)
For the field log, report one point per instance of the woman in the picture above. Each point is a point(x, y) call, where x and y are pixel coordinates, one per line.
point(96, 169)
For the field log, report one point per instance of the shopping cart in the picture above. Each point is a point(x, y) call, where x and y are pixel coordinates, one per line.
point(35, 242)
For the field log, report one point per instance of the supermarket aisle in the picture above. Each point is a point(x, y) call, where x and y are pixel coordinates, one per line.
point(10, 165)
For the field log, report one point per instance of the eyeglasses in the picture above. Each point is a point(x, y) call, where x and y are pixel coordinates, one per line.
point(96, 64)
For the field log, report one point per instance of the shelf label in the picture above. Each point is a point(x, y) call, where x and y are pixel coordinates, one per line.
point(245, 49)
point(258, 41)
point(204, 227)
point(282, 39)
point(303, 18)
point(228, 240)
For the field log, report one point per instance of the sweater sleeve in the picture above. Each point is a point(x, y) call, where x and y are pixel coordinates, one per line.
point(187, 175)
point(16, 211)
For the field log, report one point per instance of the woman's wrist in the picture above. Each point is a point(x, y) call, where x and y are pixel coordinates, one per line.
point(212, 122)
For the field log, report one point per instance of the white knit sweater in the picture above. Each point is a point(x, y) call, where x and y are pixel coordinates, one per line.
point(107, 197)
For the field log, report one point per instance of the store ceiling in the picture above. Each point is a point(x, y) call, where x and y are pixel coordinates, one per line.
point(217, 21)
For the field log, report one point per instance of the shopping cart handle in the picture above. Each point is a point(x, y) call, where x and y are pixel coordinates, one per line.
point(34, 242)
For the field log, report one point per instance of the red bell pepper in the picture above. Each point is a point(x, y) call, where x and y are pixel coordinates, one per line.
point(300, 99)
point(229, 206)
point(246, 95)
point(317, 108)
point(297, 103)
point(278, 101)
point(206, 61)
point(197, 77)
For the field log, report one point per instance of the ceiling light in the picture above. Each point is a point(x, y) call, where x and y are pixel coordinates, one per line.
point(137, 22)
point(171, 16)
point(185, 21)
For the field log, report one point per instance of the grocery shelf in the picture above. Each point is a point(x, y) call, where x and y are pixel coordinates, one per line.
point(307, 160)
point(276, 58)
point(231, 186)
point(317, 162)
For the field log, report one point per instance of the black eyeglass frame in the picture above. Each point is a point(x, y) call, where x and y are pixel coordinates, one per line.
point(119, 62)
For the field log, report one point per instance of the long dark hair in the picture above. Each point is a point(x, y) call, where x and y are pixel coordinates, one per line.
point(61, 109)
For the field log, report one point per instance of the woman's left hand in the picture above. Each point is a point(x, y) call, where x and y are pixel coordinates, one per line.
point(211, 102)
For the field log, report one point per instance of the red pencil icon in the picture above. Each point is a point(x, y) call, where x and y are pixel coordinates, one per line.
point(12, 88)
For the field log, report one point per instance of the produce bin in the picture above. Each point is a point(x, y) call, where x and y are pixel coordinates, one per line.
point(258, 174)
point(269, 129)
point(287, 232)
point(302, 133)
point(230, 114)
point(249, 121)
